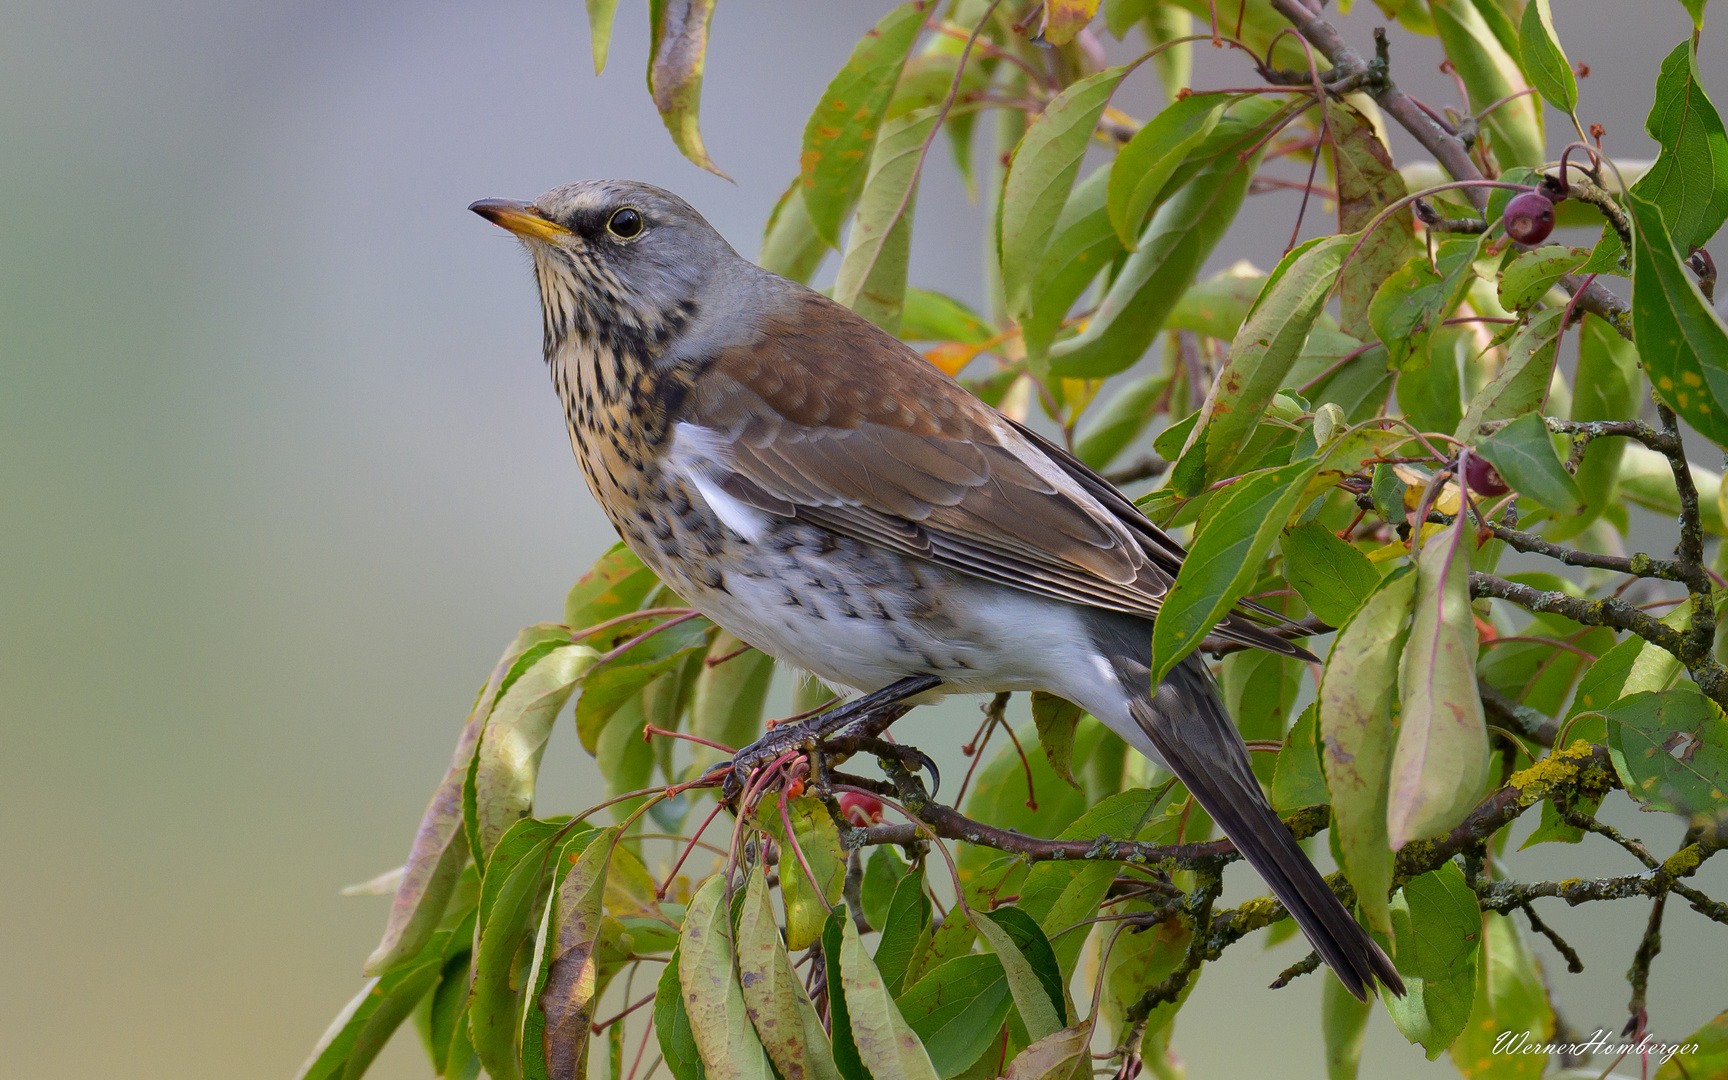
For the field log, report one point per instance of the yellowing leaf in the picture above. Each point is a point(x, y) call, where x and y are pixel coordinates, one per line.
point(1367, 184)
point(886, 1045)
point(675, 64)
point(571, 983)
point(1264, 350)
point(1357, 696)
point(1065, 18)
point(774, 996)
point(842, 131)
point(1440, 762)
point(713, 999)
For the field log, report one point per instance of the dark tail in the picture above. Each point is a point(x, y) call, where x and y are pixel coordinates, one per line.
point(1187, 724)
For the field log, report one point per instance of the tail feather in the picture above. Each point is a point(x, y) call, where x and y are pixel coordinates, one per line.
point(1186, 722)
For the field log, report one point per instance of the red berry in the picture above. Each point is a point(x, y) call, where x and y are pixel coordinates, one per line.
point(1483, 479)
point(1529, 217)
point(860, 809)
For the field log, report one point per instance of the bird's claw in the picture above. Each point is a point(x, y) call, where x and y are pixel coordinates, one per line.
point(760, 754)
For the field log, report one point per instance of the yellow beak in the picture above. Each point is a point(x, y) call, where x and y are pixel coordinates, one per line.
point(520, 218)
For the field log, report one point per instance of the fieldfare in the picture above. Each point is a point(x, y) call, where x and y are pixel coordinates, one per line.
point(816, 487)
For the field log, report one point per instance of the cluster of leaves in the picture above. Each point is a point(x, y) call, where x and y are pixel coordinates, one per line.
point(1360, 466)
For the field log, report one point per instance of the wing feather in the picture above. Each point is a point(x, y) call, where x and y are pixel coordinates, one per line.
point(873, 442)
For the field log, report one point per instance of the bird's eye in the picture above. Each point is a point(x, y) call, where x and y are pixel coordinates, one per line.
point(625, 223)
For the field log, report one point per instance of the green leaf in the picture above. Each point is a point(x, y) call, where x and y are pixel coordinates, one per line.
point(672, 1026)
point(1431, 396)
point(1260, 688)
point(726, 706)
point(1367, 184)
point(571, 988)
point(1438, 930)
point(1121, 15)
point(440, 849)
point(1695, 8)
point(1298, 781)
point(1440, 762)
point(713, 999)
point(1082, 244)
point(1343, 1022)
point(774, 996)
point(1060, 1055)
point(1145, 959)
point(1511, 1009)
point(675, 62)
point(1490, 73)
point(623, 757)
point(1122, 419)
point(510, 891)
point(1175, 63)
point(446, 1028)
point(1606, 388)
point(600, 14)
point(1646, 480)
point(615, 585)
point(1332, 575)
point(1522, 383)
point(1056, 719)
point(1173, 246)
point(790, 244)
point(508, 760)
point(1707, 1048)
point(1216, 306)
point(1358, 692)
point(1689, 180)
point(1143, 168)
point(1084, 888)
point(607, 690)
point(886, 1045)
point(842, 131)
point(872, 278)
point(1265, 349)
point(1545, 62)
point(1000, 795)
point(1670, 748)
point(846, 1057)
point(1413, 301)
point(1224, 560)
point(928, 76)
point(905, 930)
point(934, 316)
point(1040, 176)
point(883, 872)
point(1680, 337)
point(1630, 667)
point(1532, 274)
point(1523, 454)
point(1034, 978)
point(366, 1023)
point(807, 902)
point(958, 1009)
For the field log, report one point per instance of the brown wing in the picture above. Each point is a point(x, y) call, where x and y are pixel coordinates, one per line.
point(828, 419)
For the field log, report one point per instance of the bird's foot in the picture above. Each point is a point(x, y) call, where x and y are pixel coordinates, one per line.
point(871, 713)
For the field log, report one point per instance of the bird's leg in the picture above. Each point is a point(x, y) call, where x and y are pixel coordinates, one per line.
point(871, 714)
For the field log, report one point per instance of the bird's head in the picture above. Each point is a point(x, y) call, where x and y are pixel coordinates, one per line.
point(621, 264)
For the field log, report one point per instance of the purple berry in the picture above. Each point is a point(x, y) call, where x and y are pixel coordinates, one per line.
point(1482, 477)
point(1529, 217)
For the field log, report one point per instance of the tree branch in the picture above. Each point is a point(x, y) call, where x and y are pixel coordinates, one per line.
point(1448, 149)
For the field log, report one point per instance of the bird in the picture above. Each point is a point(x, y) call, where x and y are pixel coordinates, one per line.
point(819, 489)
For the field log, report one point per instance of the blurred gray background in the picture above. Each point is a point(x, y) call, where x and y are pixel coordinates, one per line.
point(280, 475)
